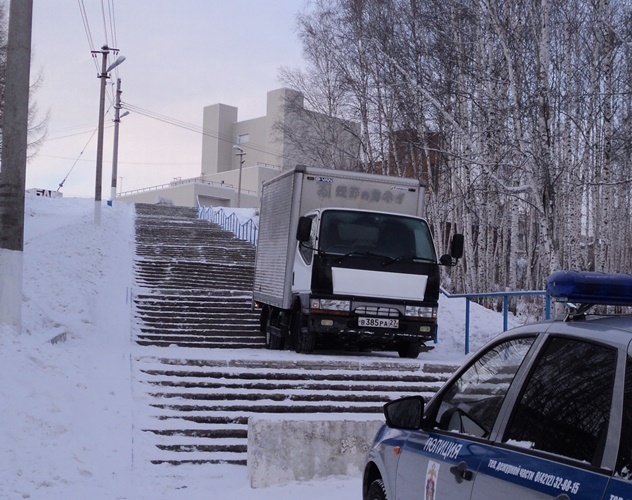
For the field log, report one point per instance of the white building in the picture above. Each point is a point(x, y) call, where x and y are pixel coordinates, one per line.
point(264, 145)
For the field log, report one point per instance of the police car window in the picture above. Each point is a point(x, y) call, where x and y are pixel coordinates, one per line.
point(471, 404)
point(565, 405)
point(624, 460)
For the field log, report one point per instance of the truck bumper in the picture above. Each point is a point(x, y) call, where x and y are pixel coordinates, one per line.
point(343, 329)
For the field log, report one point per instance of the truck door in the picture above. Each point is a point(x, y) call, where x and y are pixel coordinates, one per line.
point(556, 444)
point(303, 262)
point(442, 463)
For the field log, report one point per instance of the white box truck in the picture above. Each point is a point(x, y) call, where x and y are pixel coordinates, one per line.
point(344, 259)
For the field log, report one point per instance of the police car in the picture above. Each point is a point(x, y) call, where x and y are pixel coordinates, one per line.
point(542, 411)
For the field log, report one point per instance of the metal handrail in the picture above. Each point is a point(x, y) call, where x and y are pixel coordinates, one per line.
point(181, 182)
point(505, 295)
point(247, 231)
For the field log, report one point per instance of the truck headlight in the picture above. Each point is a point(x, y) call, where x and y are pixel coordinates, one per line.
point(421, 312)
point(330, 304)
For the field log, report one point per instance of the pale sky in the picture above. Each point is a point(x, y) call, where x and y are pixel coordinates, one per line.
point(180, 57)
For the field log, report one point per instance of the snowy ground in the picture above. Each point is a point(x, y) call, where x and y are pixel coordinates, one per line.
point(67, 428)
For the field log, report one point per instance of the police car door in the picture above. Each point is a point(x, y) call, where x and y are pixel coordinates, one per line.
point(620, 486)
point(554, 441)
point(441, 463)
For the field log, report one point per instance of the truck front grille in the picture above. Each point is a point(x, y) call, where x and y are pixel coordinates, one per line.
point(384, 312)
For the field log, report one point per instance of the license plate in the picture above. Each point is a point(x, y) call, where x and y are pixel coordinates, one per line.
point(379, 322)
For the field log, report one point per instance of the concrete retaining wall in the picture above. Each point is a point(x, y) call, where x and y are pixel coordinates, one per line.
point(284, 449)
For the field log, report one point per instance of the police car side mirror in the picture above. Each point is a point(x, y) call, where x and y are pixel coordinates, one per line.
point(406, 413)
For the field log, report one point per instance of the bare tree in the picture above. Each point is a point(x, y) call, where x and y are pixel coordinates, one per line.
point(517, 114)
point(37, 124)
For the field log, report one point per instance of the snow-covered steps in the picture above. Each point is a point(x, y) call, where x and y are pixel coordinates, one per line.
point(197, 409)
point(193, 282)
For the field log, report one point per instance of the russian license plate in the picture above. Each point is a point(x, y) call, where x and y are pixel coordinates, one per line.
point(379, 322)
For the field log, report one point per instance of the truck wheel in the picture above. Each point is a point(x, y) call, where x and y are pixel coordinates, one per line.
point(377, 491)
point(409, 349)
point(263, 320)
point(273, 342)
point(304, 340)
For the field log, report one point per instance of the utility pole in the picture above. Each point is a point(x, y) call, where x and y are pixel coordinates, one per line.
point(105, 50)
point(13, 167)
point(117, 121)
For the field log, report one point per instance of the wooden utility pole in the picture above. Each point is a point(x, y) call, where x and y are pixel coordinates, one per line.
point(13, 167)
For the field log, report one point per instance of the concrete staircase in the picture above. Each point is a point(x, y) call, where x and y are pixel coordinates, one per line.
point(203, 371)
point(194, 282)
point(199, 408)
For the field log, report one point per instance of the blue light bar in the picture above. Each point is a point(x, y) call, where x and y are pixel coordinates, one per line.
point(588, 287)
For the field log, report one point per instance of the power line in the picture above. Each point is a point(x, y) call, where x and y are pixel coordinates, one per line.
point(61, 184)
point(193, 128)
point(105, 28)
point(151, 163)
point(86, 27)
point(112, 22)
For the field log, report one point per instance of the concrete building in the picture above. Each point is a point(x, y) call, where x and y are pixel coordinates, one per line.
point(266, 145)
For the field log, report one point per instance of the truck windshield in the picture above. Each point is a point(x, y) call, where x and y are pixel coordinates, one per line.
point(393, 236)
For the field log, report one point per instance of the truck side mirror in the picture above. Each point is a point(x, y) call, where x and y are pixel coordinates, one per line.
point(304, 229)
point(456, 248)
point(456, 251)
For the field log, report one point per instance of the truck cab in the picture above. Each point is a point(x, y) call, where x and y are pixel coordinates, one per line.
point(367, 279)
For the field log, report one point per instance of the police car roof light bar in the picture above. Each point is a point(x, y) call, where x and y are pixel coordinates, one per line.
point(590, 288)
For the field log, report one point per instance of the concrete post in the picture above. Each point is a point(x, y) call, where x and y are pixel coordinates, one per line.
point(13, 167)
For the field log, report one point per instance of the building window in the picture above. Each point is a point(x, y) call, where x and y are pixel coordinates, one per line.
point(243, 138)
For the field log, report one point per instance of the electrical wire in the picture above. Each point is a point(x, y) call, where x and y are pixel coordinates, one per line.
point(105, 28)
point(112, 19)
point(193, 128)
point(61, 184)
point(86, 27)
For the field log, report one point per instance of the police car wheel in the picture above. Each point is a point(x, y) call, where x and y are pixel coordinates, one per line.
point(377, 491)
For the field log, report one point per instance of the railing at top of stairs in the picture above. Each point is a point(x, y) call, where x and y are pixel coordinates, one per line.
point(244, 230)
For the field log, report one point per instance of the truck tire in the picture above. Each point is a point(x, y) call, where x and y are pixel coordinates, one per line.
point(263, 320)
point(377, 491)
point(304, 340)
point(409, 349)
point(273, 341)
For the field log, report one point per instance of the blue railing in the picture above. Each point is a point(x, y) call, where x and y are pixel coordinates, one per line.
point(247, 231)
point(505, 296)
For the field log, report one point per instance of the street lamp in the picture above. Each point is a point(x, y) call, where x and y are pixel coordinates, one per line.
point(241, 154)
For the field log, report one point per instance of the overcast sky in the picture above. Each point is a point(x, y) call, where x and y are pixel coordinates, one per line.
point(180, 57)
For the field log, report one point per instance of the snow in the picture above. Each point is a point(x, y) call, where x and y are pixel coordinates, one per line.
point(68, 420)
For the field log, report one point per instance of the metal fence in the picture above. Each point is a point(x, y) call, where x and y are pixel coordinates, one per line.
point(505, 296)
point(247, 231)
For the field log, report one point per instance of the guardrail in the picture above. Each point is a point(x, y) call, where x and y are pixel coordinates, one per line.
point(247, 230)
point(505, 295)
point(181, 182)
